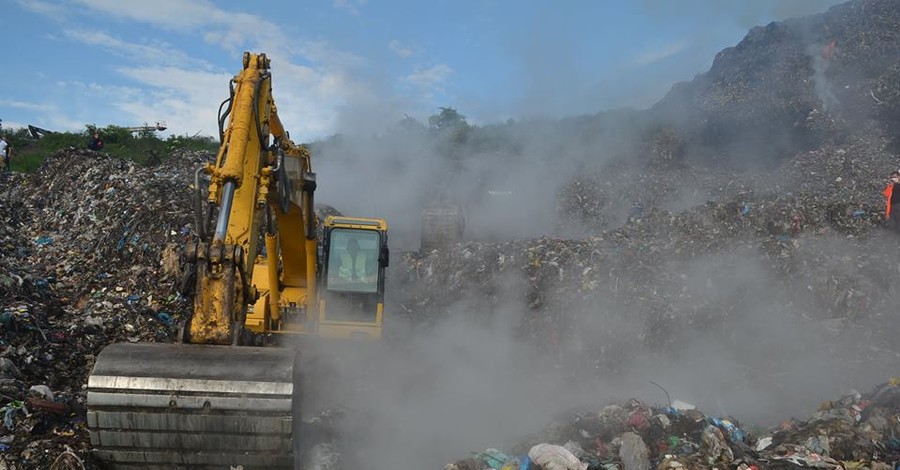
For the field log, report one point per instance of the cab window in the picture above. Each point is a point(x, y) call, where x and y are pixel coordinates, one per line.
point(353, 261)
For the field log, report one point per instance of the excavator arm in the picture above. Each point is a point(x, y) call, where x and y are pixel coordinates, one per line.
point(246, 171)
point(212, 401)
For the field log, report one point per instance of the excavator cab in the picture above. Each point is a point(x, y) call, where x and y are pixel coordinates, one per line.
point(351, 284)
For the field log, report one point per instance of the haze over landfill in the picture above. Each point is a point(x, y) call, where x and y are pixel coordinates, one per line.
point(723, 247)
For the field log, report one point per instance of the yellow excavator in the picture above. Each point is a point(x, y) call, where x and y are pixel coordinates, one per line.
point(225, 395)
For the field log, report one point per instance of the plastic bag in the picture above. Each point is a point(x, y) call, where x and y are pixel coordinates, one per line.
point(554, 457)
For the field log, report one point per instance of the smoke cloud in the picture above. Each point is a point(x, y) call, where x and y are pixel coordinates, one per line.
point(756, 327)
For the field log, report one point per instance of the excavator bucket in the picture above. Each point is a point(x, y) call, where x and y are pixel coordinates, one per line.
point(183, 406)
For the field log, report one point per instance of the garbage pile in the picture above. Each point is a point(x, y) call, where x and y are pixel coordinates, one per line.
point(834, 184)
point(769, 267)
point(90, 256)
point(647, 261)
point(790, 85)
point(108, 234)
point(854, 432)
point(813, 228)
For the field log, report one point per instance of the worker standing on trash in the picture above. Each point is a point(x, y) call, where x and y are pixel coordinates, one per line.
point(96, 143)
point(892, 200)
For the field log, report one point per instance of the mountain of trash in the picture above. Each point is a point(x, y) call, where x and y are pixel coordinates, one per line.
point(779, 281)
point(91, 255)
point(790, 85)
point(91, 247)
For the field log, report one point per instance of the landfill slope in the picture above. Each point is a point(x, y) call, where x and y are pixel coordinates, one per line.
point(91, 247)
point(753, 280)
point(789, 85)
point(91, 257)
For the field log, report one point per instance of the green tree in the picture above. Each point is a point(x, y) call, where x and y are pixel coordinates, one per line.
point(410, 126)
point(447, 119)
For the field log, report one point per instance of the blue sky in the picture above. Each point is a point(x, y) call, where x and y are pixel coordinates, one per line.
point(358, 65)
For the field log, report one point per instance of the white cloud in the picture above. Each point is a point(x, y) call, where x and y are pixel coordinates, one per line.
point(186, 99)
point(231, 29)
point(187, 96)
point(350, 5)
point(51, 10)
point(658, 54)
point(26, 105)
point(431, 77)
point(167, 13)
point(323, 53)
point(160, 53)
point(400, 49)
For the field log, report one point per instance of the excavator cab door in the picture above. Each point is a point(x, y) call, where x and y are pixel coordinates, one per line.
point(351, 292)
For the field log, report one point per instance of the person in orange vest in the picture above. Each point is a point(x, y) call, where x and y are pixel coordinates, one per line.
point(891, 200)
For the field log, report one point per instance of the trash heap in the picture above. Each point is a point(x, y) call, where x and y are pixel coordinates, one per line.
point(791, 84)
point(812, 229)
point(835, 183)
point(854, 432)
point(90, 256)
point(793, 257)
point(108, 235)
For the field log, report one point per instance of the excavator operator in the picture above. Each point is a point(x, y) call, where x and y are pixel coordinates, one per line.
point(357, 269)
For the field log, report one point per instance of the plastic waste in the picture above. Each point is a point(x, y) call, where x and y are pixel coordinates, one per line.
point(493, 458)
point(11, 410)
point(165, 318)
point(734, 433)
point(554, 457)
point(634, 452)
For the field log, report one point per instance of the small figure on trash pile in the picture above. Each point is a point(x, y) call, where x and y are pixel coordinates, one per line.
point(636, 212)
point(96, 143)
point(891, 200)
point(5, 150)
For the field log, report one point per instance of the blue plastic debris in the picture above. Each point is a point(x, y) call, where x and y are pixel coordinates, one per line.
point(493, 458)
point(165, 318)
point(10, 411)
point(734, 432)
point(894, 443)
point(44, 240)
point(524, 462)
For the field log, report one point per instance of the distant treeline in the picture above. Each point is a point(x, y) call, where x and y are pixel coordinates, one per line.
point(30, 148)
